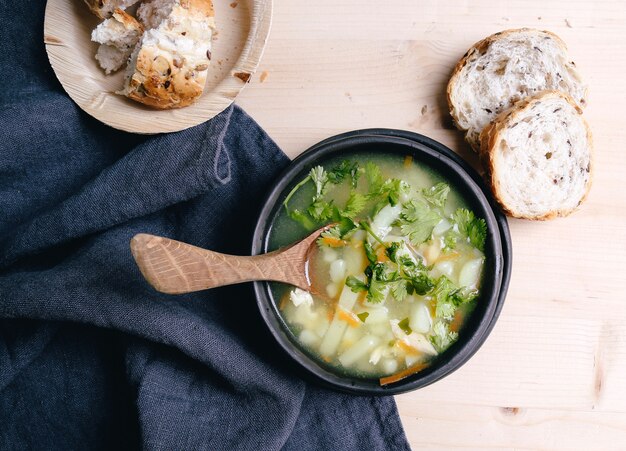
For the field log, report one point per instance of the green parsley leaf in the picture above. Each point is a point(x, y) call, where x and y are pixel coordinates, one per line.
point(442, 336)
point(320, 210)
point(355, 284)
point(363, 316)
point(449, 241)
point(320, 178)
point(417, 221)
point(399, 289)
point(332, 232)
point(471, 227)
point(356, 203)
point(404, 325)
point(420, 284)
point(345, 169)
point(445, 303)
point(369, 252)
point(392, 251)
point(374, 177)
point(392, 189)
point(377, 291)
point(436, 195)
point(302, 218)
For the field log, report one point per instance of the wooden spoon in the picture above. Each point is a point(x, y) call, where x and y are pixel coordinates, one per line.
point(174, 267)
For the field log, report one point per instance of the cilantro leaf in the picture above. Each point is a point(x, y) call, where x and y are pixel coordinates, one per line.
point(374, 177)
point(404, 325)
point(420, 284)
point(392, 251)
point(417, 221)
point(302, 218)
point(392, 189)
point(399, 289)
point(442, 336)
point(369, 252)
point(355, 284)
point(445, 303)
point(449, 241)
point(345, 169)
point(470, 227)
point(363, 316)
point(320, 210)
point(355, 204)
point(377, 291)
point(320, 178)
point(436, 195)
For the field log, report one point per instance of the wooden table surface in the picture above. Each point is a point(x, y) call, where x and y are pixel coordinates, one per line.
point(552, 375)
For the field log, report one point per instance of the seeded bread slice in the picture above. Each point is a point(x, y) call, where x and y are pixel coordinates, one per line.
point(104, 8)
point(168, 68)
point(117, 36)
point(504, 68)
point(538, 157)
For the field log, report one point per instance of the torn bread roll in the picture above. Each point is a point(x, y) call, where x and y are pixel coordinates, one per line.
point(117, 37)
point(538, 157)
point(168, 68)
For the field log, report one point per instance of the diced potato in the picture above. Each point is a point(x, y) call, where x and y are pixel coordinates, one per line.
point(379, 329)
point(308, 338)
point(305, 315)
point(419, 319)
point(411, 359)
point(299, 297)
point(470, 273)
point(337, 270)
point(355, 260)
point(441, 228)
point(358, 350)
point(321, 326)
point(432, 252)
point(389, 366)
point(376, 354)
point(381, 224)
point(332, 289)
point(376, 315)
point(337, 328)
point(445, 268)
point(329, 254)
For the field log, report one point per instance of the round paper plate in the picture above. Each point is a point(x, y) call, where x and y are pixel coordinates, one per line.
point(242, 30)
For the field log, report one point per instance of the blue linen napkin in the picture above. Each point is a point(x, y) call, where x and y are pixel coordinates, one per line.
point(90, 356)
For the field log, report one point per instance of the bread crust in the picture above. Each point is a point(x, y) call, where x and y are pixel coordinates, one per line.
point(129, 22)
point(163, 81)
point(100, 7)
point(479, 48)
point(490, 139)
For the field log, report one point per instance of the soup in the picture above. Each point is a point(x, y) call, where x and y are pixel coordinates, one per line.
point(393, 278)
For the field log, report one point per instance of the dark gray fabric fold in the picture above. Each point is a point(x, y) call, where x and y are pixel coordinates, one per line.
point(90, 356)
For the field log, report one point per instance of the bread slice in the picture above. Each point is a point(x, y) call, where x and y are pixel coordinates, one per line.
point(104, 8)
point(504, 68)
point(117, 36)
point(169, 66)
point(538, 157)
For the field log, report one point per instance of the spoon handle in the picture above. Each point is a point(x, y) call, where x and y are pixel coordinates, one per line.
point(175, 267)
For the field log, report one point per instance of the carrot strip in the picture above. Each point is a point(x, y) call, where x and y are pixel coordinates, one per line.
point(381, 256)
point(407, 347)
point(447, 256)
point(348, 317)
point(408, 160)
point(333, 241)
point(403, 374)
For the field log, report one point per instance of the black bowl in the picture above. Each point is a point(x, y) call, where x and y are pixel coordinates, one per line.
point(497, 250)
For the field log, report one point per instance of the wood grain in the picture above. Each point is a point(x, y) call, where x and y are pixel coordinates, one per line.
point(174, 267)
point(557, 356)
point(243, 29)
